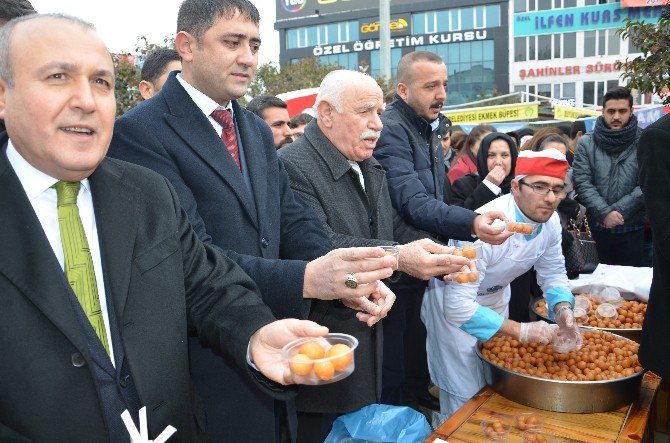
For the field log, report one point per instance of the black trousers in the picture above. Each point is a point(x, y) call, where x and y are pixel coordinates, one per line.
point(405, 364)
point(620, 249)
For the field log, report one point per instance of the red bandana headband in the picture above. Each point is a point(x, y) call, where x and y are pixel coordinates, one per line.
point(550, 162)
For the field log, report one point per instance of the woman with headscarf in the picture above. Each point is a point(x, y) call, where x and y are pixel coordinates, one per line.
point(465, 162)
point(496, 159)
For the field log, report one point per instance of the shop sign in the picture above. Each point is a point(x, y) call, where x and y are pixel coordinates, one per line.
point(569, 102)
point(572, 113)
point(399, 26)
point(587, 18)
point(290, 9)
point(551, 71)
point(500, 113)
point(639, 3)
point(400, 42)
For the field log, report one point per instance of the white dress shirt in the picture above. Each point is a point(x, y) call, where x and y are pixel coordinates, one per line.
point(357, 168)
point(43, 198)
point(205, 104)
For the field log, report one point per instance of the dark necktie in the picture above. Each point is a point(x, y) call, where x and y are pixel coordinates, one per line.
point(223, 117)
point(78, 262)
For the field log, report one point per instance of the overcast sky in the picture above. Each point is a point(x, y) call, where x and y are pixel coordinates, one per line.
point(120, 22)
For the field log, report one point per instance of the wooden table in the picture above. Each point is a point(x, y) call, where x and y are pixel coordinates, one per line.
point(626, 425)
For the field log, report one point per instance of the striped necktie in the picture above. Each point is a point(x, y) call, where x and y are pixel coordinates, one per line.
point(223, 117)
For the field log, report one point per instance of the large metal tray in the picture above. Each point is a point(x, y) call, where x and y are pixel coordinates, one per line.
point(563, 396)
point(630, 333)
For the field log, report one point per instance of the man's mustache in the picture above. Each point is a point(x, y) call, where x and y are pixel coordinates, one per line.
point(370, 133)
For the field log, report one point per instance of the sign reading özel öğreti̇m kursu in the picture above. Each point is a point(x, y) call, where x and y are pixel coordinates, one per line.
point(588, 18)
point(401, 42)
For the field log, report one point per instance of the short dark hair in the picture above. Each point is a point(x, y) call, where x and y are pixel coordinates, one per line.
point(15, 8)
point(197, 16)
point(577, 126)
point(556, 138)
point(156, 62)
point(407, 60)
point(299, 119)
point(262, 102)
point(618, 93)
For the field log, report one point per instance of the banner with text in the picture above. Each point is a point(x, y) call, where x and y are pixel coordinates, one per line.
point(587, 18)
point(570, 113)
point(500, 113)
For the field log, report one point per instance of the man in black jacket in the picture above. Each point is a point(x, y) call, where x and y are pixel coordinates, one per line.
point(414, 164)
point(654, 160)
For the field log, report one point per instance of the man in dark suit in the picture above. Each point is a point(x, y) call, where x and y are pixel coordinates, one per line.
point(12, 9)
point(237, 195)
point(331, 167)
point(101, 273)
point(653, 155)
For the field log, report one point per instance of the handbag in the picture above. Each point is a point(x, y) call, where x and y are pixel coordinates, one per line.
point(581, 255)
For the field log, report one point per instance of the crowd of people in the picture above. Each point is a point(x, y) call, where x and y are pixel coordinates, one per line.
point(164, 259)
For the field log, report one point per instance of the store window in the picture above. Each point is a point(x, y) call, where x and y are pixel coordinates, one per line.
point(520, 49)
point(345, 61)
point(462, 19)
point(569, 90)
point(602, 42)
point(322, 35)
point(595, 91)
point(544, 89)
point(520, 6)
point(569, 44)
point(471, 68)
point(467, 18)
point(541, 47)
point(492, 16)
point(455, 20)
point(396, 54)
point(544, 47)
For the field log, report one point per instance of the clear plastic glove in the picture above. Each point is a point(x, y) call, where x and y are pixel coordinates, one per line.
point(568, 328)
point(535, 332)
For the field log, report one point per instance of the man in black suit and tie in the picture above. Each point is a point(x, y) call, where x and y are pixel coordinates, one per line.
point(222, 161)
point(101, 273)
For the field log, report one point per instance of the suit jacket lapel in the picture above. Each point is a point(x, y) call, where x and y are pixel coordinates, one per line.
point(116, 218)
point(191, 125)
point(255, 159)
point(27, 259)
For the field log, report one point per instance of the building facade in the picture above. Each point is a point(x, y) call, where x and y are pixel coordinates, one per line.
point(472, 37)
point(567, 49)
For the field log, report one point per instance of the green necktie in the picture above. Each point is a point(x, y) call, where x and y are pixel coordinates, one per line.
point(78, 263)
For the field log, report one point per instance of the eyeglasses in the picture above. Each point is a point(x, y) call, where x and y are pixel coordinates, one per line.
point(544, 190)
